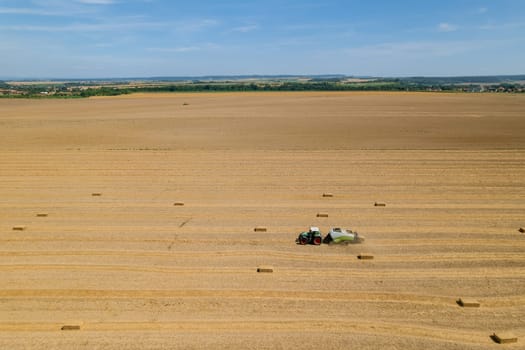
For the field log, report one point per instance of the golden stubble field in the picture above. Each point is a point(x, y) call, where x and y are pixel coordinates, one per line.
point(136, 272)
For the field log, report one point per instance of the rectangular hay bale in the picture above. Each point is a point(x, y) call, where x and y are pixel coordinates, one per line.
point(365, 256)
point(19, 228)
point(504, 338)
point(260, 229)
point(467, 302)
point(522, 230)
point(178, 204)
point(41, 215)
point(96, 194)
point(70, 327)
point(328, 195)
point(267, 269)
point(379, 204)
point(322, 215)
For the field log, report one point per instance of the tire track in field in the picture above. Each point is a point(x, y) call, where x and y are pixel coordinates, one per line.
point(446, 242)
point(442, 301)
point(354, 325)
point(230, 294)
point(406, 274)
point(283, 255)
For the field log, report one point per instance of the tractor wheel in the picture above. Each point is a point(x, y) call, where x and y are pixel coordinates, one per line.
point(303, 240)
point(317, 240)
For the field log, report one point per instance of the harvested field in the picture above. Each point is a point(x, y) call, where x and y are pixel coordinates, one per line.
point(136, 271)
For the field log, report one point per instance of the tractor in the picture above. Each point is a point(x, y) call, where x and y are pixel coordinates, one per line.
point(312, 236)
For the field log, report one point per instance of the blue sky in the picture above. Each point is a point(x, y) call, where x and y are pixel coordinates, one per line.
point(138, 38)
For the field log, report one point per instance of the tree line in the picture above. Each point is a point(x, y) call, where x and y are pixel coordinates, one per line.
point(81, 91)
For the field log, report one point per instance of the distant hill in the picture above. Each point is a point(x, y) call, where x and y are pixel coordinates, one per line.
point(489, 79)
point(187, 78)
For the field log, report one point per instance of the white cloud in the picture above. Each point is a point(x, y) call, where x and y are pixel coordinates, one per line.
point(79, 27)
point(174, 49)
point(128, 23)
point(447, 27)
point(183, 49)
point(66, 8)
point(194, 25)
point(245, 29)
point(97, 2)
point(31, 11)
point(482, 10)
point(429, 57)
point(418, 49)
point(500, 26)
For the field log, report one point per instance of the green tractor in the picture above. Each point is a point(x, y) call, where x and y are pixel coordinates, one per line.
point(312, 236)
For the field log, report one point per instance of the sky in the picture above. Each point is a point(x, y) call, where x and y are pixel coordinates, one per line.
point(149, 38)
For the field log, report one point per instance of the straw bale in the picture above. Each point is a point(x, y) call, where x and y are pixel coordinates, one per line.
point(265, 269)
point(504, 338)
point(467, 302)
point(365, 256)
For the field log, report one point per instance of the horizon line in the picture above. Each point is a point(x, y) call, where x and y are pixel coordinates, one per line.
point(248, 76)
